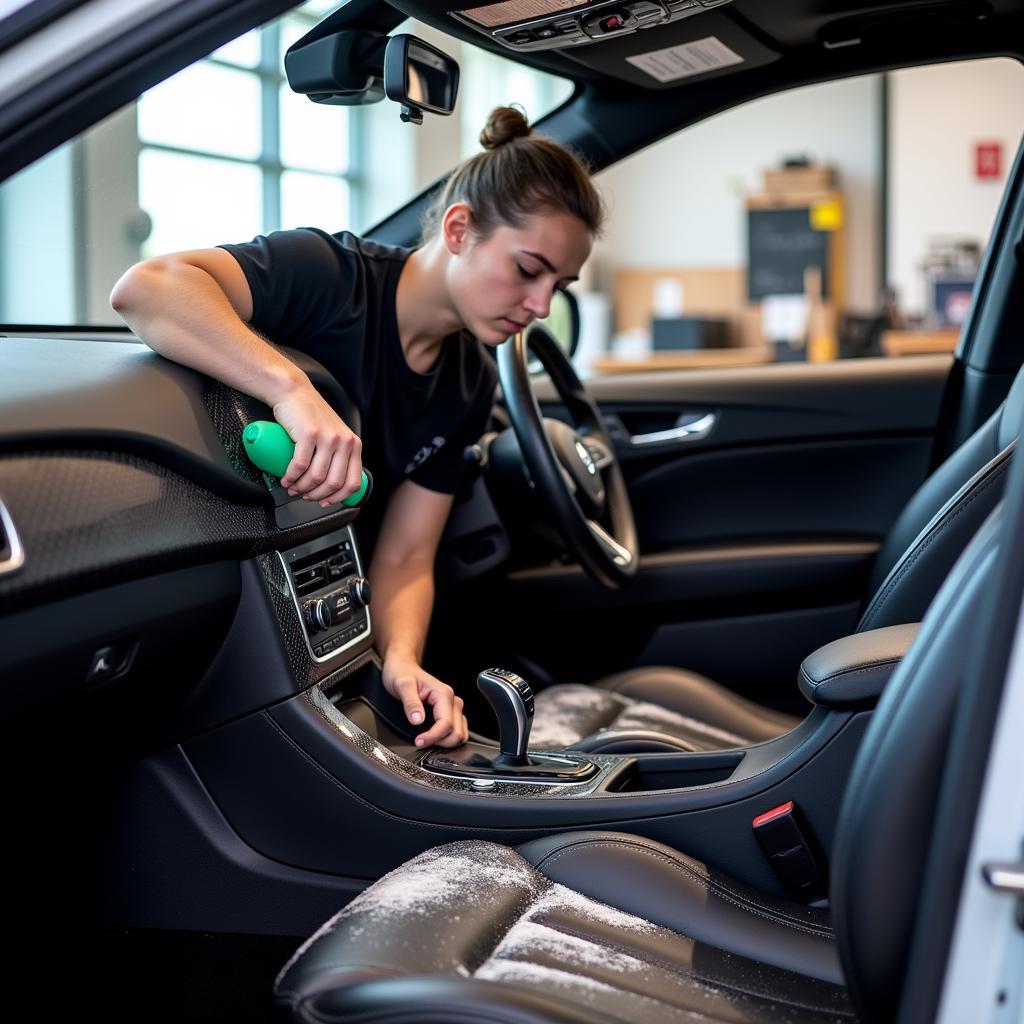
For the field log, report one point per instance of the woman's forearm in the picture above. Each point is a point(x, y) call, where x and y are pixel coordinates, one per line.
point(403, 596)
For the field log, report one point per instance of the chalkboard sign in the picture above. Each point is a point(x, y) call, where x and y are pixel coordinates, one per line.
point(781, 245)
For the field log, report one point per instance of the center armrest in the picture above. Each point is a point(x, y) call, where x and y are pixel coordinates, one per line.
point(853, 671)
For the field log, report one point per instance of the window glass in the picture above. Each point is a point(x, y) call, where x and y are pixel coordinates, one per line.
point(838, 220)
point(314, 136)
point(243, 51)
point(205, 107)
point(486, 76)
point(196, 202)
point(220, 152)
point(314, 200)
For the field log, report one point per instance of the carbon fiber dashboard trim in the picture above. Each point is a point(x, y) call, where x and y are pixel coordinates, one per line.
point(89, 519)
point(231, 412)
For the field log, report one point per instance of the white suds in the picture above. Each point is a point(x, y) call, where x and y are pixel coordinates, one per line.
point(521, 971)
point(445, 877)
point(567, 713)
point(528, 940)
point(558, 897)
point(641, 714)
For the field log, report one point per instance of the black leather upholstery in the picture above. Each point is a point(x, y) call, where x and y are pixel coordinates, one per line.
point(609, 927)
point(918, 552)
point(852, 672)
point(664, 708)
point(680, 893)
point(480, 915)
point(886, 817)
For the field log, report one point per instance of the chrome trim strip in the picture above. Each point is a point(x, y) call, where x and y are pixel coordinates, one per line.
point(692, 430)
point(16, 559)
point(519, 780)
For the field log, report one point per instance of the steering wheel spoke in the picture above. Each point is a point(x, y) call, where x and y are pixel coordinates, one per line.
point(620, 555)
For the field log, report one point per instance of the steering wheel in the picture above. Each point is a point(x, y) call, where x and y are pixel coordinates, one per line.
point(573, 468)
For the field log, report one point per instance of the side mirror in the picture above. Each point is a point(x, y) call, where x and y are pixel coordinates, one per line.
point(420, 77)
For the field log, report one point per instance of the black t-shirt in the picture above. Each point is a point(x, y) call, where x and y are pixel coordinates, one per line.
point(333, 297)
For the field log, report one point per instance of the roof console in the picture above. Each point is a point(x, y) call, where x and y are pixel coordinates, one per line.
point(554, 24)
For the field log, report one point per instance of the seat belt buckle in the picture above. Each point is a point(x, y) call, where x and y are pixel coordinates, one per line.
point(790, 853)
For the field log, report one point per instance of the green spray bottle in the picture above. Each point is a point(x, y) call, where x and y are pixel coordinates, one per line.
point(271, 449)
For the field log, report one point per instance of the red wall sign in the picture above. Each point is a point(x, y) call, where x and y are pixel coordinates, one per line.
point(988, 160)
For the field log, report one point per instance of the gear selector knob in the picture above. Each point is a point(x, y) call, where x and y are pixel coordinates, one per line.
point(511, 699)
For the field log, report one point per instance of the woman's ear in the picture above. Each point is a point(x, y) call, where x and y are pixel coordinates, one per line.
point(455, 227)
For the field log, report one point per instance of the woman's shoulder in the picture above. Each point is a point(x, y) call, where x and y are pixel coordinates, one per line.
point(349, 244)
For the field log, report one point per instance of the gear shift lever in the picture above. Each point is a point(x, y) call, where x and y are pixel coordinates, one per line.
point(511, 699)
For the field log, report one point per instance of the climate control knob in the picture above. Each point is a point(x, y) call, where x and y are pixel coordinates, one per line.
point(359, 589)
point(318, 614)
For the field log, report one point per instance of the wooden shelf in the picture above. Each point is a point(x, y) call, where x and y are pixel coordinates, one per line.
point(915, 343)
point(685, 359)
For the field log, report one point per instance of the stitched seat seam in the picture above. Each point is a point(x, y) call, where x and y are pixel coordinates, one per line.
point(728, 895)
point(863, 669)
point(673, 968)
point(933, 534)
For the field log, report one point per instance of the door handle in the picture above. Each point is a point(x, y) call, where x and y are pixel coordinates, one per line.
point(689, 427)
point(1007, 878)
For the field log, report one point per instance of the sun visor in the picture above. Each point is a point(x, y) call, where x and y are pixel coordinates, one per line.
point(671, 55)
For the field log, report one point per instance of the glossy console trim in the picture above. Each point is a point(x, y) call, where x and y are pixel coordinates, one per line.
point(486, 777)
point(393, 785)
point(407, 771)
point(328, 538)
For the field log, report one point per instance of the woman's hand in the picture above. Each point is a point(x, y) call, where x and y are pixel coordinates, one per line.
point(327, 465)
point(406, 681)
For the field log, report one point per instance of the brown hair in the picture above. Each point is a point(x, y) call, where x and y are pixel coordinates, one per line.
point(517, 174)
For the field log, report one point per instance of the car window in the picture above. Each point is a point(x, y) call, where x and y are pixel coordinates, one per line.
point(837, 220)
point(223, 151)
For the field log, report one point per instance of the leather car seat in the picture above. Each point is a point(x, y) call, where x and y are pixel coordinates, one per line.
point(610, 927)
point(666, 708)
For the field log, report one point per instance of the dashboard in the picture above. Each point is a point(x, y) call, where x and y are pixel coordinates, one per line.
point(141, 553)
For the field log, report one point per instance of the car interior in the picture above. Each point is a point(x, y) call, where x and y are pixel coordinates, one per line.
point(720, 632)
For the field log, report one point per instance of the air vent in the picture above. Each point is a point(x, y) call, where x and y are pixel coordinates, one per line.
point(12, 555)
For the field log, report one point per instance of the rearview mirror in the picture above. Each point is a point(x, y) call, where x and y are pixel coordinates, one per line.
point(420, 77)
point(354, 67)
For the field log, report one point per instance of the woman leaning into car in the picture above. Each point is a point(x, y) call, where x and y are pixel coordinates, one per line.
point(403, 331)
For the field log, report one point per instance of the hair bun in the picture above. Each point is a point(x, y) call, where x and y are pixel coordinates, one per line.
point(504, 125)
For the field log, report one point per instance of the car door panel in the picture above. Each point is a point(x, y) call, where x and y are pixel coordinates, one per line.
point(757, 539)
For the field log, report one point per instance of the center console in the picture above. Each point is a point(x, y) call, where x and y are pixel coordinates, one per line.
point(330, 593)
point(298, 777)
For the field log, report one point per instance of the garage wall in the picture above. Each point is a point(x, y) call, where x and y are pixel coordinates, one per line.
point(933, 189)
point(694, 214)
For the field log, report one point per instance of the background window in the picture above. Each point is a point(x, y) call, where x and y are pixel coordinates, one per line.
point(223, 151)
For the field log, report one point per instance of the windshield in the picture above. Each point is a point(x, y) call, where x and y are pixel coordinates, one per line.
point(223, 151)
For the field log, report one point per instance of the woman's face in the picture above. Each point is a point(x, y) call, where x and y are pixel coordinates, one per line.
point(501, 283)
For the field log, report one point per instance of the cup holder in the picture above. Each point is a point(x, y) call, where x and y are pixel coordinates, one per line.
point(651, 772)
